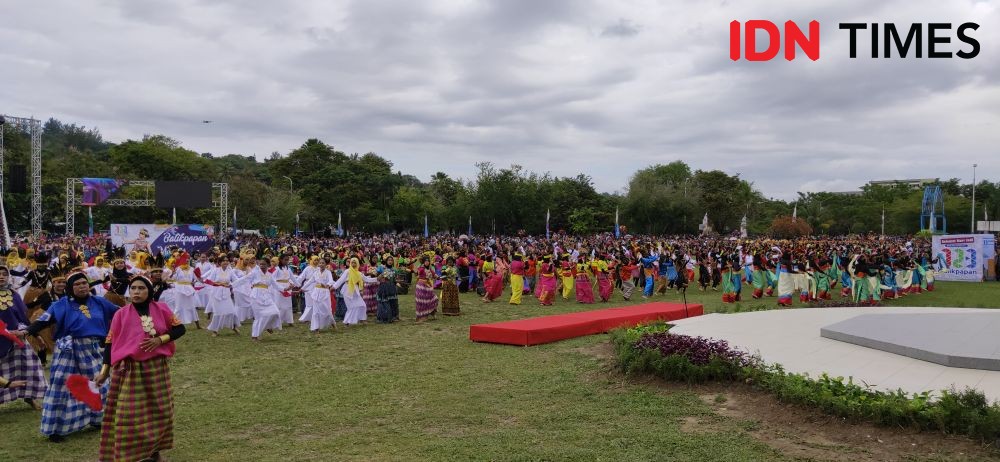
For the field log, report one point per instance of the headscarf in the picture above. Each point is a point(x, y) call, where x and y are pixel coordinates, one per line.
point(354, 279)
point(5, 286)
point(72, 278)
point(143, 306)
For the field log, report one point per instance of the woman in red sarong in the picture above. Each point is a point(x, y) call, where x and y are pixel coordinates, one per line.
point(584, 291)
point(494, 279)
point(547, 282)
point(604, 286)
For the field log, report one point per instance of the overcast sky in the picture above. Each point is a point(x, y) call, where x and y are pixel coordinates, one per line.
point(596, 87)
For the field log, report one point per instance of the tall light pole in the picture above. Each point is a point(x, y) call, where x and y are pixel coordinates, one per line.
point(973, 227)
point(289, 184)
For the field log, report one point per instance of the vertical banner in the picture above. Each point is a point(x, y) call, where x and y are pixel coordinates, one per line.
point(547, 215)
point(960, 257)
point(470, 225)
point(426, 233)
point(617, 230)
point(989, 245)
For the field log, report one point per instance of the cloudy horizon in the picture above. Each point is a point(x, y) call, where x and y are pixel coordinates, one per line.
point(565, 87)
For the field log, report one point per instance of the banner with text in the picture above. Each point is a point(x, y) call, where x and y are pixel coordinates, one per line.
point(960, 257)
point(160, 238)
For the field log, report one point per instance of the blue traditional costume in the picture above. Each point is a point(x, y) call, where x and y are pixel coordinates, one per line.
point(18, 362)
point(81, 327)
point(650, 272)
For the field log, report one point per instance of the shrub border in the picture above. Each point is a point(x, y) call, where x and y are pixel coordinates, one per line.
point(966, 412)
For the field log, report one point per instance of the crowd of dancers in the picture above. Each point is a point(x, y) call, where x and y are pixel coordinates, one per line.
point(112, 316)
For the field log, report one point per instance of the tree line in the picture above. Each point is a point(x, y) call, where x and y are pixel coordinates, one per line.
point(371, 196)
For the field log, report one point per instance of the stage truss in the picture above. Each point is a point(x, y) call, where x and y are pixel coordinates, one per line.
point(72, 201)
point(34, 129)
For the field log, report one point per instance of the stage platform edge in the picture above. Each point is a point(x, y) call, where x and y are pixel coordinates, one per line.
point(547, 329)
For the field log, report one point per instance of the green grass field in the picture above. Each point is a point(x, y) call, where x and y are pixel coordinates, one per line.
point(412, 391)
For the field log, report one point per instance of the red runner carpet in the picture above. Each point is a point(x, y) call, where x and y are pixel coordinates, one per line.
point(545, 329)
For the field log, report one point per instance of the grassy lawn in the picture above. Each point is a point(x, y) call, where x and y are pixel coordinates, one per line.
point(425, 392)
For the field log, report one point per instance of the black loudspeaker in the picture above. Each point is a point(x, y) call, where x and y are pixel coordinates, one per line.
point(18, 179)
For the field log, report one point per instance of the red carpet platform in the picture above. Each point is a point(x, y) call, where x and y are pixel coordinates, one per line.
point(545, 329)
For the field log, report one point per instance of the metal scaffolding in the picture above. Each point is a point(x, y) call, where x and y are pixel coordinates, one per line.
point(223, 205)
point(149, 200)
point(33, 128)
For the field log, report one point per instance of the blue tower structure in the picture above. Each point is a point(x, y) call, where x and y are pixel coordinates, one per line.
point(932, 210)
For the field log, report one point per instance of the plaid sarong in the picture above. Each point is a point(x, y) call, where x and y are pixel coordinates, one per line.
point(61, 414)
point(22, 364)
point(139, 414)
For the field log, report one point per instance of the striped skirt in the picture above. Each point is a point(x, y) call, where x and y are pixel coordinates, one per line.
point(139, 414)
point(584, 291)
point(61, 414)
point(427, 300)
point(371, 304)
point(22, 364)
point(605, 289)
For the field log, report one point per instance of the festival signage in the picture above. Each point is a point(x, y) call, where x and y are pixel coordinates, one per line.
point(960, 257)
point(98, 190)
point(161, 238)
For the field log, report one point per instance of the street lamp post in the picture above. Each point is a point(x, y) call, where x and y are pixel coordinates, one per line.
point(291, 192)
point(973, 226)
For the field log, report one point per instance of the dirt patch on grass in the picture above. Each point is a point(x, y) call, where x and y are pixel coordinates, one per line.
point(801, 432)
point(602, 351)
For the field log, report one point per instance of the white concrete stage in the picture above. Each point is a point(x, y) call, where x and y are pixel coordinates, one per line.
point(791, 337)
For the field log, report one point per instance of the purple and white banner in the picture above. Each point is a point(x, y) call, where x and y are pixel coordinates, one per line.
point(98, 190)
point(161, 238)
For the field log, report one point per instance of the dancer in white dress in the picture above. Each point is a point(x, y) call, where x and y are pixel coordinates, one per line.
point(220, 298)
point(318, 289)
point(353, 283)
point(283, 276)
point(168, 295)
point(202, 268)
point(100, 270)
point(302, 279)
point(241, 293)
point(184, 293)
point(265, 313)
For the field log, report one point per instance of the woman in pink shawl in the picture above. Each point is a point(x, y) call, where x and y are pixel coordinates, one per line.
point(139, 413)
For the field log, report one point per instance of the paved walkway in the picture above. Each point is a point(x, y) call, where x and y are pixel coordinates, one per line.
point(792, 338)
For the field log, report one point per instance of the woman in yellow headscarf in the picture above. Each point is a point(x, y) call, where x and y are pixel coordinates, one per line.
point(351, 284)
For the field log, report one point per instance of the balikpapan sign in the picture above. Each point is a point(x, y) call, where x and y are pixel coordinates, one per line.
point(152, 238)
point(960, 257)
point(884, 39)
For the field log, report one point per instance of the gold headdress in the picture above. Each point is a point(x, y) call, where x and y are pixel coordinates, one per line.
point(13, 259)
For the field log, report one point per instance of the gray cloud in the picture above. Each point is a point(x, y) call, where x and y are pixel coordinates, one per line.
point(623, 28)
point(442, 84)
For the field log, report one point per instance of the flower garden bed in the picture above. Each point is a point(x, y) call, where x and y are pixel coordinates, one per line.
point(654, 350)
